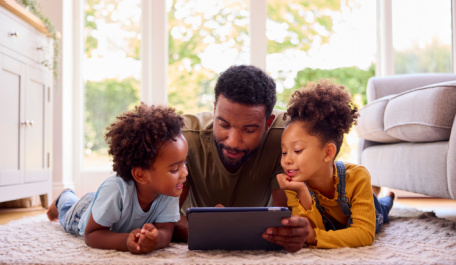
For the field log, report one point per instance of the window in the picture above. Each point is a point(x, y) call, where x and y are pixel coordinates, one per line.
point(112, 70)
point(422, 36)
point(205, 38)
point(325, 39)
point(306, 40)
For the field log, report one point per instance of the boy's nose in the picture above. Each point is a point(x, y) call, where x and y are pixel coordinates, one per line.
point(185, 173)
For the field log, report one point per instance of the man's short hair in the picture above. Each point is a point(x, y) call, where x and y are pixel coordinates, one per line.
point(249, 85)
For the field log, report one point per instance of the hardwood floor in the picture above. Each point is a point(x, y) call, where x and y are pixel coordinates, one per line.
point(10, 214)
point(443, 208)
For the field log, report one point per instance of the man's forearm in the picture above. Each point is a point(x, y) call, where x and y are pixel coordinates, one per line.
point(279, 198)
point(181, 230)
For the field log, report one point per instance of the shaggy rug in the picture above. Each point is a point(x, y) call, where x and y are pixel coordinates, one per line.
point(411, 237)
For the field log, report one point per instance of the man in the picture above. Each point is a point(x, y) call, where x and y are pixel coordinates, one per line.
point(234, 154)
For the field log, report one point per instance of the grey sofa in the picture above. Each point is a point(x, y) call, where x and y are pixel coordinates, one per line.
point(407, 133)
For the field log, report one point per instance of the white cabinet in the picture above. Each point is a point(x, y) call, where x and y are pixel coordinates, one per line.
point(25, 110)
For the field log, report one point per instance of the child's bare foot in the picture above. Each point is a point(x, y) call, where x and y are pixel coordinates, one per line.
point(376, 190)
point(392, 195)
point(52, 212)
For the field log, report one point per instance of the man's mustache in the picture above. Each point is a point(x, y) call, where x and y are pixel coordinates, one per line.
point(232, 150)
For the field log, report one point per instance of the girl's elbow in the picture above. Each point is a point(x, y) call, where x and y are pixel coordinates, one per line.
point(370, 239)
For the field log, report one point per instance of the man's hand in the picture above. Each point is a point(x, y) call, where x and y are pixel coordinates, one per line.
point(286, 183)
point(181, 230)
point(292, 237)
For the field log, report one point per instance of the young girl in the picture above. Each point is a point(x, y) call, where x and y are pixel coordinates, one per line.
point(336, 197)
point(136, 209)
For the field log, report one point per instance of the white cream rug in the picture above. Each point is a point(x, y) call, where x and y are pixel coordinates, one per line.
point(411, 237)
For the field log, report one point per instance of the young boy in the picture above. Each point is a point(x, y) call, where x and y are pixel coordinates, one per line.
point(134, 210)
point(336, 197)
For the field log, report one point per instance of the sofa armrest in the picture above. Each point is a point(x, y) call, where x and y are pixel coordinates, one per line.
point(378, 87)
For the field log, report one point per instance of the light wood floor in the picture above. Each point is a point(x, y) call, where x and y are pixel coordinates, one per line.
point(10, 214)
point(443, 208)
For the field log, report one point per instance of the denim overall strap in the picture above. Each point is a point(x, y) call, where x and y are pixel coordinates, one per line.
point(342, 199)
point(326, 221)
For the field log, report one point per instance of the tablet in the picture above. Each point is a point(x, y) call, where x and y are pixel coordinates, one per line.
point(233, 228)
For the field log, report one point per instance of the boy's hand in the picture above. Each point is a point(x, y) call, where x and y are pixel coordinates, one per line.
point(147, 238)
point(132, 241)
point(286, 183)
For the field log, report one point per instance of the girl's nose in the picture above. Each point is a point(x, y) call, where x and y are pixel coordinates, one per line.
point(287, 160)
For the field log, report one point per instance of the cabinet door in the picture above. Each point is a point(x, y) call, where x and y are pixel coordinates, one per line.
point(11, 103)
point(36, 99)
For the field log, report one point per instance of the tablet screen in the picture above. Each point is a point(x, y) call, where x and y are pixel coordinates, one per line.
point(233, 228)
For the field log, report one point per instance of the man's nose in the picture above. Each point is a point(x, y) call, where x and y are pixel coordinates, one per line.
point(234, 139)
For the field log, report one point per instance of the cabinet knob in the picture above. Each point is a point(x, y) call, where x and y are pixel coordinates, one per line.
point(14, 34)
point(28, 123)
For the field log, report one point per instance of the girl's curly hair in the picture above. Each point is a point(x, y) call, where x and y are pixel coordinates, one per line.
point(326, 108)
point(136, 136)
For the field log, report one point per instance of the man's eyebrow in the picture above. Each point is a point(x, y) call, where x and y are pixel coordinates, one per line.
point(222, 119)
point(248, 125)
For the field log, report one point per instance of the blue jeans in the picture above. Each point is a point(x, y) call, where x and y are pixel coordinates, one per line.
point(382, 208)
point(71, 208)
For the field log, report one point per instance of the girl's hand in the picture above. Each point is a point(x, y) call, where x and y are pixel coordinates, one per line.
point(286, 183)
point(147, 238)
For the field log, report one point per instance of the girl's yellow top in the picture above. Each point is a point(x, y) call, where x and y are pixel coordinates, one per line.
point(359, 192)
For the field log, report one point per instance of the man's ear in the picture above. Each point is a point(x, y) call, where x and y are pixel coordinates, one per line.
point(270, 121)
point(139, 174)
point(330, 152)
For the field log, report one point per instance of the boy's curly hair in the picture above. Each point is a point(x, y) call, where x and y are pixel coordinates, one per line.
point(137, 135)
point(249, 85)
point(326, 108)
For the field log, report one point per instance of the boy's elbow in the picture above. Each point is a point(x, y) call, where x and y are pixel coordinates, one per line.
point(90, 239)
point(87, 240)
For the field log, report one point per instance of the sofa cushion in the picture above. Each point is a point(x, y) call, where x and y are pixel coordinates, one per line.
point(370, 122)
point(423, 114)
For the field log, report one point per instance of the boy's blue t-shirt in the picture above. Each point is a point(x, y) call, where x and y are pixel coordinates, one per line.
point(116, 205)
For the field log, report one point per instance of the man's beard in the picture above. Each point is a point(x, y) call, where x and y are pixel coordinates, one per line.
point(233, 164)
